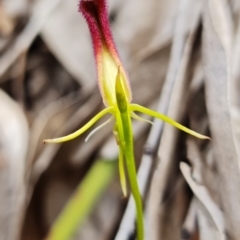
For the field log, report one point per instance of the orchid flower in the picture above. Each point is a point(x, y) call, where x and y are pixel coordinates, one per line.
point(116, 94)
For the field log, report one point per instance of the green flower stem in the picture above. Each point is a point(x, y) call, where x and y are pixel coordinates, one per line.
point(130, 163)
point(82, 202)
point(124, 127)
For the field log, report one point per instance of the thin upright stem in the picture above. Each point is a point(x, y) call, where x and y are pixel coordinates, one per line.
point(131, 169)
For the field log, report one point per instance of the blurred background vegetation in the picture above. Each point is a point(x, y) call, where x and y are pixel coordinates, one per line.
point(183, 59)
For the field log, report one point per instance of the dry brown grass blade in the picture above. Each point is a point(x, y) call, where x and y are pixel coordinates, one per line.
point(189, 225)
point(13, 151)
point(206, 227)
point(234, 86)
point(214, 213)
point(215, 62)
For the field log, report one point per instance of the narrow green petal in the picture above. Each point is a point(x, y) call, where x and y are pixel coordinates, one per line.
point(136, 107)
point(81, 130)
point(136, 117)
point(98, 128)
point(122, 172)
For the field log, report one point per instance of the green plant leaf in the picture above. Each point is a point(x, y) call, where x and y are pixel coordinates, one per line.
point(82, 203)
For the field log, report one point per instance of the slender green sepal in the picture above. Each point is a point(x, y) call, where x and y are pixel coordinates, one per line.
point(81, 130)
point(138, 108)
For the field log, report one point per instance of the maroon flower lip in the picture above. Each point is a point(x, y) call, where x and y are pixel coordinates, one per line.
point(95, 13)
point(105, 52)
